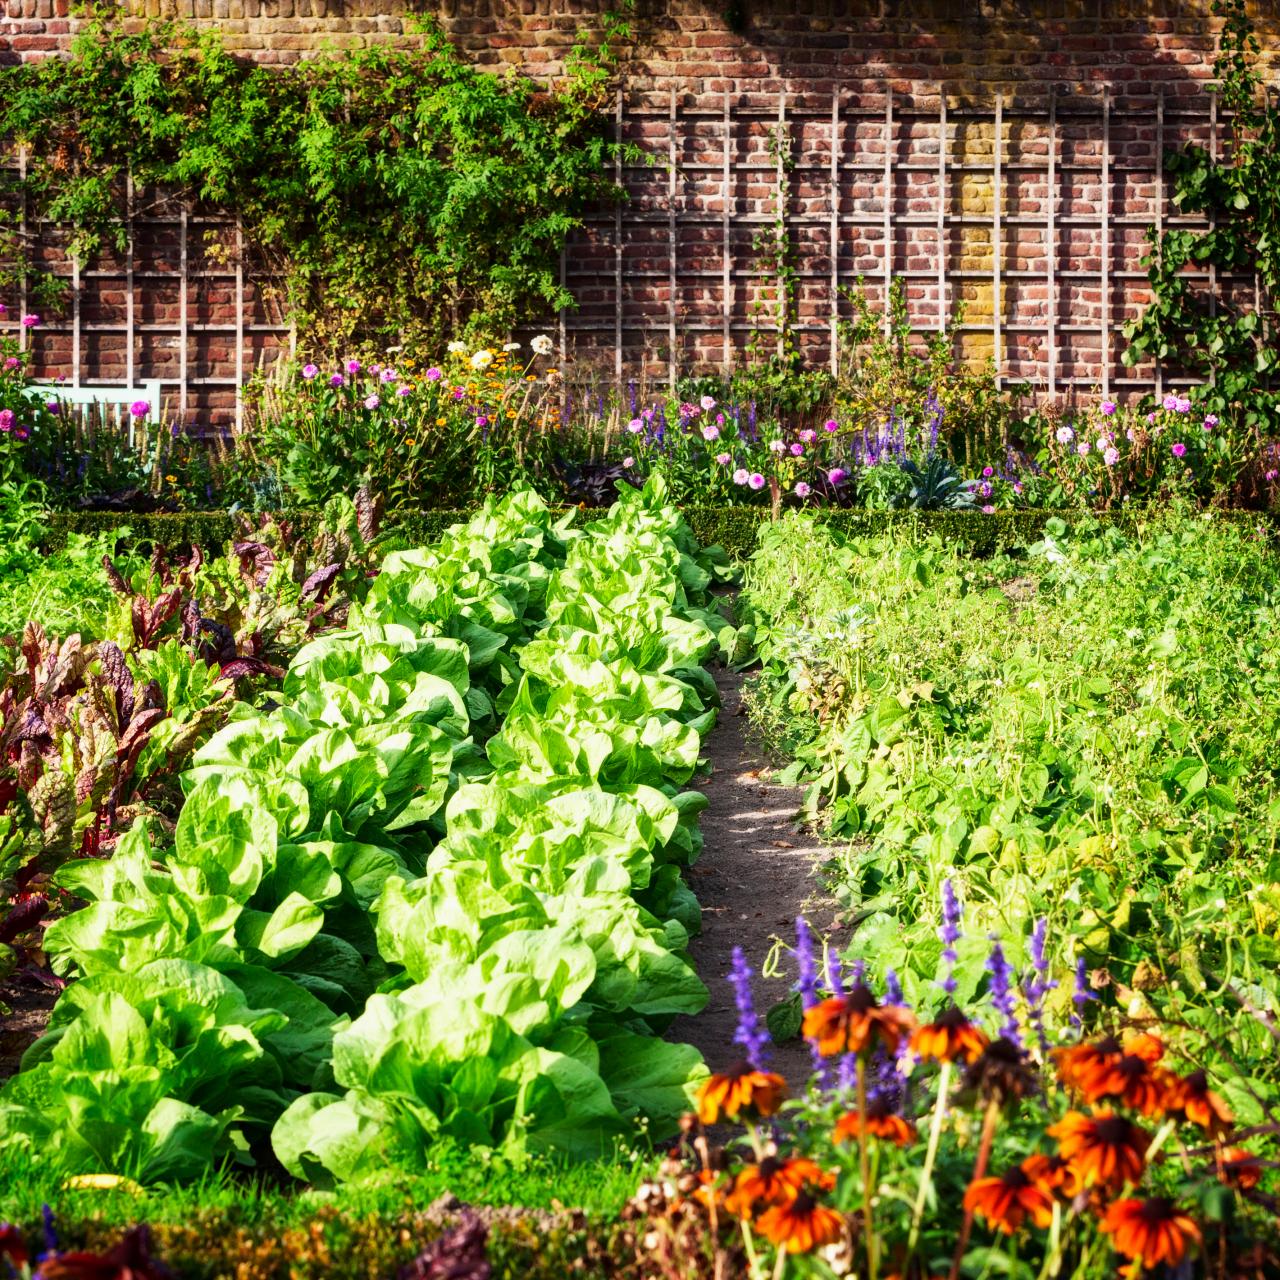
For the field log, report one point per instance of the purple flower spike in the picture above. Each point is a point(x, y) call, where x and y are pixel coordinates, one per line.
point(949, 932)
point(1039, 984)
point(751, 1033)
point(1082, 995)
point(807, 965)
point(834, 978)
point(892, 987)
point(1002, 998)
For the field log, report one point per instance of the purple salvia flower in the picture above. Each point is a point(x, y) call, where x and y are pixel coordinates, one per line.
point(1002, 998)
point(1081, 996)
point(807, 965)
point(1039, 984)
point(847, 1073)
point(892, 987)
point(50, 1234)
point(835, 979)
point(949, 933)
point(751, 1033)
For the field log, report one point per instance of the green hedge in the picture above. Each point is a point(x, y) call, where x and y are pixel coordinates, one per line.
point(733, 528)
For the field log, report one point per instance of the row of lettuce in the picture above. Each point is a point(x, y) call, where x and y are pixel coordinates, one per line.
point(433, 893)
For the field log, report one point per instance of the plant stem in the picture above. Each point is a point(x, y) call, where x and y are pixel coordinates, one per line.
point(930, 1155)
point(979, 1169)
point(865, 1168)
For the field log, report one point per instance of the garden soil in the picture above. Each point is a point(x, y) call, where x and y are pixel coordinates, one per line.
point(755, 875)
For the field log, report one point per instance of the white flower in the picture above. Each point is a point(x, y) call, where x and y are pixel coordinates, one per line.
point(457, 348)
point(542, 345)
point(482, 359)
point(511, 346)
point(777, 446)
point(1065, 435)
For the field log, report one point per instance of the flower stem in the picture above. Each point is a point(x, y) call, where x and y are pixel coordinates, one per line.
point(930, 1155)
point(864, 1164)
point(979, 1170)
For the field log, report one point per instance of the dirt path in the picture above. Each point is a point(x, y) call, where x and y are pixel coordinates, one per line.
point(754, 877)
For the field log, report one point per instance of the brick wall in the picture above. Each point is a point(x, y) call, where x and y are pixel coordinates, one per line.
point(914, 176)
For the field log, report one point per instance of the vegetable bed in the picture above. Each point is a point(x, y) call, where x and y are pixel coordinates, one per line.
point(433, 895)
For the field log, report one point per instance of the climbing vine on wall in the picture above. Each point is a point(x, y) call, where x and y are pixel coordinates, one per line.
point(388, 192)
point(1222, 339)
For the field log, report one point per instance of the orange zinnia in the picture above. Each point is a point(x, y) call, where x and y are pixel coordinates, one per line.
point(774, 1181)
point(801, 1225)
point(1106, 1149)
point(1150, 1231)
point(855, 1022)
point(881, 1123)
point(1199, 1104)
point(1053, 1175)
point(1006, 1202)
point(1239, 1168)
point(950, 1036)
point(740, 1090)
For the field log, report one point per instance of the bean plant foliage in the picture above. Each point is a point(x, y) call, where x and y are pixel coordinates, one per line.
point(385, 190)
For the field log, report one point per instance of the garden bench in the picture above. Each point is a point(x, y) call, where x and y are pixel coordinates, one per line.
point(114, 401)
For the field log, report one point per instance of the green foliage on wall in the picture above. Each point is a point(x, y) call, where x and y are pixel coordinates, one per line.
point(383, 189)
point(1190, 325)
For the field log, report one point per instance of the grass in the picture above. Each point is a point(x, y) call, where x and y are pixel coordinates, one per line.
point(597, 1188)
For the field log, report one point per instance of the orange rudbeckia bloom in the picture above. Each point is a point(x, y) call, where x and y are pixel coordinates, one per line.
point(1200, 1105)
point(774, 1181)
point(1081, 1060)
point(1053, 1175)
point(1131, 1076)
point(801, 1224)
point(740, 1090)
point(1239, 1168)
point(882, 1123)
point(854, 1023)
point(1106, 1149)
point(1008, 1201)
point(1149, 1231)
point(950, 1036)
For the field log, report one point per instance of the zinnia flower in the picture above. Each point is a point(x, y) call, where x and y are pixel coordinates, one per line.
point(808, 435)
point(837, 476)
point(1179, 449)
point(12, 362)
point(854, 1023)
point(1083, 448)
point(1006, 1202)
point(802, 489)
point(457, 348)
point(882, 1123)
point(388, 374)
point(1169, 402)
point(309, 371)
point(371, 402)
point(708, 403)
point(482, 359)
point(801, 1225)
point(777, 446)
point(140, 408)
point(337, 380)
point(635, 426)
point(6, 419)
point(774, 1181)
point(31, 321)
point(950, 1036)
point(628, 462)
point(1149, 1231)
point(756, 480)
point(1111, 456)
point(797, 450)
point(1210, 421)
point(831, 425)
point(353, 366)
point(710, 432)
point(740, 1090)
point(1182, 405)
point(741, 476)
point(1106, 1149)
point(1199, 1104)
point(1108, 408)
point(433, 374)
point(542, 345)
point(510, 346)
point(723, 459)
point(1065, 435)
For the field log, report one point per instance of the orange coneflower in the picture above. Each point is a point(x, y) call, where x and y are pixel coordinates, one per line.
point(1150, 1231)
point(882, 1122)
point(1106, 1149)
point(1199, 1104)
point(1000, 1073)
point(855, 1022)
point(1239, 1168)
point(1081, 1060)
point(1053, 1174)
point(1006, 1202)
point(740, 1090)
point(950, 1036)
point(801, 1224)
point(1132, 1076)
point(774, 1181)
